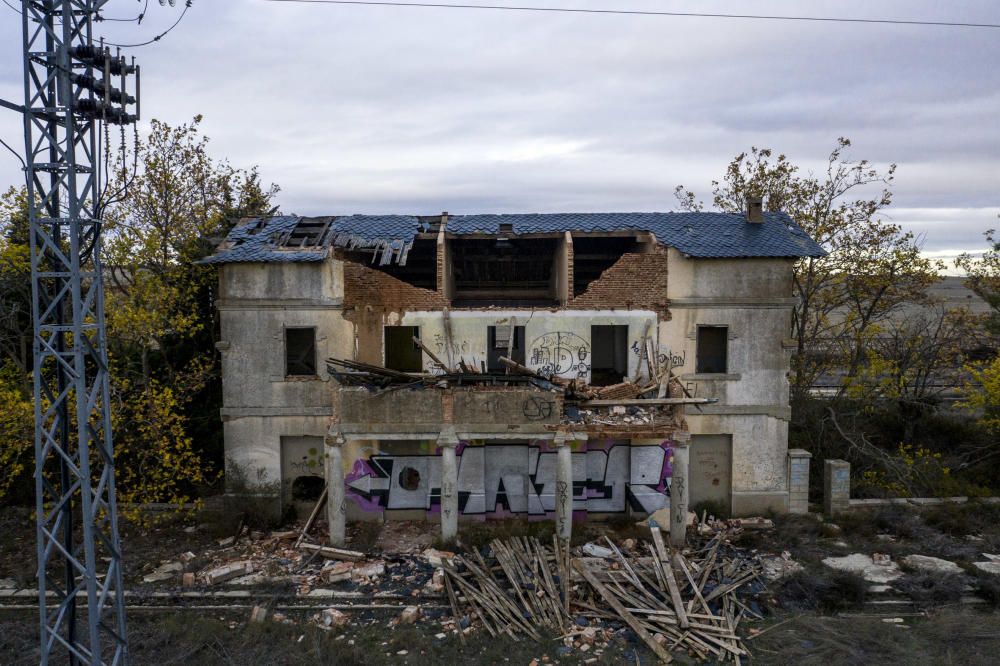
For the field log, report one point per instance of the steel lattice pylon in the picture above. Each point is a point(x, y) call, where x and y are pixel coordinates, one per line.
point(79, 555)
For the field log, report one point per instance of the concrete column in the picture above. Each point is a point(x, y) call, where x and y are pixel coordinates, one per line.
point(679, 495)
point(798, 480)
point(836, 486)
point(564, 488)
point(336, 517)
point(447, 440)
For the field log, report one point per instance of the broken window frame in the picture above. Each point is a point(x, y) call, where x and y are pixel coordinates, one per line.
point(709, 365)
point(301, 358)
point(494, 350)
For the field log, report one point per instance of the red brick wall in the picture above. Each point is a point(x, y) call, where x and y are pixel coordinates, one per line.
point(635, 281)
point(364, 286)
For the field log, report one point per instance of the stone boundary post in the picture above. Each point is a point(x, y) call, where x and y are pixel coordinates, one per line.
point(798, 480)
point(836, 486)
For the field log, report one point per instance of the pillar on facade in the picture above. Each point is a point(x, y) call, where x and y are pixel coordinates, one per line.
point(448, 441)
point(336, 517)
point(564, 487)
point(679, 497)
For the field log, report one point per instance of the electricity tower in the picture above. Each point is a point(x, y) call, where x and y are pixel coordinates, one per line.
point(71, 84)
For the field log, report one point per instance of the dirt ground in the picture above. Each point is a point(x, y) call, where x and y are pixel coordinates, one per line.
point(813, 616)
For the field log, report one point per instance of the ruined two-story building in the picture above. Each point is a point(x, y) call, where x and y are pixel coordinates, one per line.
point(490, 341)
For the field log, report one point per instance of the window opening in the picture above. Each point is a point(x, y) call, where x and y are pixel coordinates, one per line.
point(300, 352)
point(713, 343)
point(401, 352)
point(609, 354)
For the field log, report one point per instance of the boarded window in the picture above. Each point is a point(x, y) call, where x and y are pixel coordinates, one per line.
point(401, 352)
point(609, 354)
point(499, 341)
point(300, 352)
point(713, 344)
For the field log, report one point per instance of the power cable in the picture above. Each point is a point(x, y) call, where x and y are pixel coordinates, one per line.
point(15, 153)
point(640, 12)
point(137, 19)
point(187, 6)
point(13, 8)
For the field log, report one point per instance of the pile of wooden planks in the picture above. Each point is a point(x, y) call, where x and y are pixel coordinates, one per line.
point(695, 602)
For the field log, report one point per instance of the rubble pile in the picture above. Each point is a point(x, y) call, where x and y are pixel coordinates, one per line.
point(694, 601)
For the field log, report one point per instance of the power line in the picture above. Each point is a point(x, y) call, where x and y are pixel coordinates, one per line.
point(187, 6)
point(16, 154)
point(137, 19)
point(640, 12)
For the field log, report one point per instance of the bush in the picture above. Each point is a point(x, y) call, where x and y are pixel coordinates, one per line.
point(807, 591)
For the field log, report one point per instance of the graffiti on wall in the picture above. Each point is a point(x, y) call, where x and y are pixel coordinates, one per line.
point(560, 353)
point(664, 356)
point(517, 479)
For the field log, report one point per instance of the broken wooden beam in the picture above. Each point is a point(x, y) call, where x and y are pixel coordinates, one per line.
point(641, 402)
point(332, 553)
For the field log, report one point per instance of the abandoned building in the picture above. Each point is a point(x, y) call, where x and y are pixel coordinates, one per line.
point(456, 357)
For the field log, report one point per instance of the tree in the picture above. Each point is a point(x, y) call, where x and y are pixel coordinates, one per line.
point(160, 307)
point(872, 267)
point(983, 276)
point(15, 280)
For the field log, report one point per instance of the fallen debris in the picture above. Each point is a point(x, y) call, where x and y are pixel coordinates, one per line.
point(695, 602)
point(331, 553)
point(227, 572)
point(929, 564)
point(882, 571)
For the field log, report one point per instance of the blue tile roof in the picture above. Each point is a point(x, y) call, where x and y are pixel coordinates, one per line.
point(702, 234)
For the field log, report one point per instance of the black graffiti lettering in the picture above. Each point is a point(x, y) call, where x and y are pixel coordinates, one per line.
point(537, 408)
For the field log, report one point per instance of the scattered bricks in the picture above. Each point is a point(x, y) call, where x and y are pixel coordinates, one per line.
point(187, 557)
point(228, 572)
point(409, 615)
point(287, 535)
point(332, 553)
point(338, 571)
point(369, 570)
point(331, 617)
point(258, 614)
point(188, 579)
point(227, 542)
point(163, 572)
point(436, 557)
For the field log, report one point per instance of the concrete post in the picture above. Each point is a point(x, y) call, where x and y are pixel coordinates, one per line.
point(798, 480)
point(836, 486)
point(679, 495)
point(447, 440)
point(564, 488)
point(335, 516)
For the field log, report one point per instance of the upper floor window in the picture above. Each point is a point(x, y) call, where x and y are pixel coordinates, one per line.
point(609, 354)
point(300, 352)
point(401, 352)
point(713, 350)
point(500, 343)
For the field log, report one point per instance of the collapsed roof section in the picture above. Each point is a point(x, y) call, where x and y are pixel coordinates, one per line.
point(390, 237)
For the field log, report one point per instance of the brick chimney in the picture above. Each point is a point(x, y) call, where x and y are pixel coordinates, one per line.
point(755, 210)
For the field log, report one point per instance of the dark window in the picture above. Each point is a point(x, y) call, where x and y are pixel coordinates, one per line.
point(401, 352)
point(504, 271)
point(713, 344)
point(300, 352)
point(608, 354)
point(499, 341)
point(308, 488)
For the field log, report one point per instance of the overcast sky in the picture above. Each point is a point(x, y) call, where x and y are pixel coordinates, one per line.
point(405, 110)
